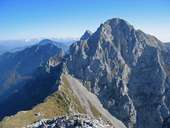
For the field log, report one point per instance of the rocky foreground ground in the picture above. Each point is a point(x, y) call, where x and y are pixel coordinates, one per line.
point(73, 121)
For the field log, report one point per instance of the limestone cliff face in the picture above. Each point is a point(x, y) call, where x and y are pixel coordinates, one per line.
point(127, 69)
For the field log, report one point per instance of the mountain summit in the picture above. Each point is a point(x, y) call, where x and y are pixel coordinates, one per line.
point(86, 35)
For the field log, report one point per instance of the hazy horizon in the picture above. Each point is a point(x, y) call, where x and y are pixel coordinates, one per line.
point(69, 19)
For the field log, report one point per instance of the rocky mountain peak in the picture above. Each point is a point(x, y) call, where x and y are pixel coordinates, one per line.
point(119, 63)
point(86, 35)
point(117, 22)
point(113, 27)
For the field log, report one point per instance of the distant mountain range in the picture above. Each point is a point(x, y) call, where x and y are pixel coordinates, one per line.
point(17, 45)
point(118, 74)
point(62, 45)
point(19, 66)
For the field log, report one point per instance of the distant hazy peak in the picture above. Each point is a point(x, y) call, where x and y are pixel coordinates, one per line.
point(46, 41)
point(86, 35)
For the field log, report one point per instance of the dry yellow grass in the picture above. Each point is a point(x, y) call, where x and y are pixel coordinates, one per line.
point(60, 103)
point(55, 105)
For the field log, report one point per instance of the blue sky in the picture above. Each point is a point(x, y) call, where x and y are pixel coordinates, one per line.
point(25, 19)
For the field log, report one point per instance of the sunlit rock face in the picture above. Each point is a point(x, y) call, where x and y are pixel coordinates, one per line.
point(128, 70)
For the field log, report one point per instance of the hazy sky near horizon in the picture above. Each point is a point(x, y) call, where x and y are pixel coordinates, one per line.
point(25, 19)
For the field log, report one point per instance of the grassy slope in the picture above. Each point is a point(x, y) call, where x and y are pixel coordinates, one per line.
point(59, 103)
point(55, 105)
